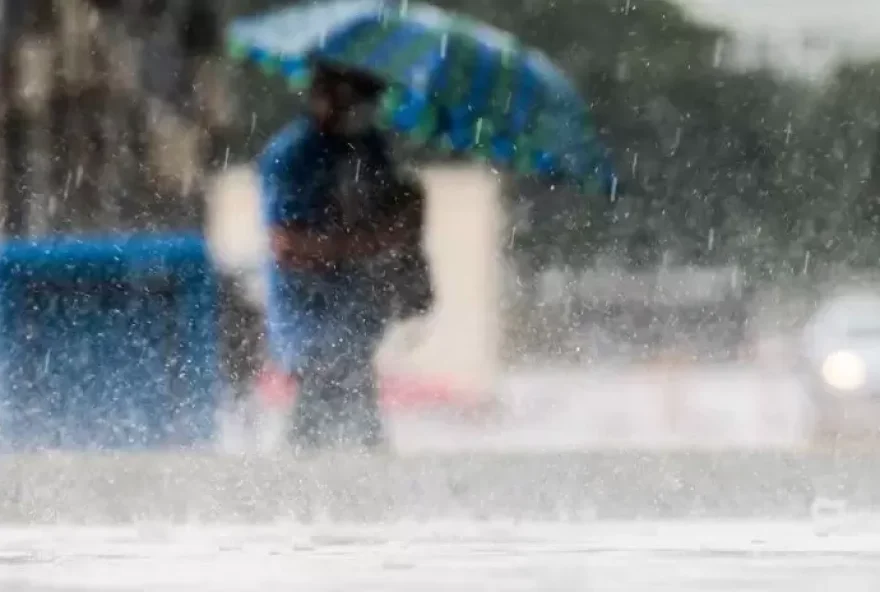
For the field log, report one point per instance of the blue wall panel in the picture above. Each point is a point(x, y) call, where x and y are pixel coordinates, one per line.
point(107, 342)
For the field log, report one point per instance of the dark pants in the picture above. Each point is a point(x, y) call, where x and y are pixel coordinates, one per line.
point(337, 403)
point(325, 331)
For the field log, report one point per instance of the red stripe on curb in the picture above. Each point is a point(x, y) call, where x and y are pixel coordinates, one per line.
point(400, 393)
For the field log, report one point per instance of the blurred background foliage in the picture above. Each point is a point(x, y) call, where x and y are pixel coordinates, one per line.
point(719, 165)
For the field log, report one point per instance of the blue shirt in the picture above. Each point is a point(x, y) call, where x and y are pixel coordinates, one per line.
point(301, 172)
point(303, 176)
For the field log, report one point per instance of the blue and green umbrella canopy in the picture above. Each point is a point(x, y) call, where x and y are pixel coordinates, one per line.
point(453, 82)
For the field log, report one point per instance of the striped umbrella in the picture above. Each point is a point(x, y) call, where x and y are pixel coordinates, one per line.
point(453, 82)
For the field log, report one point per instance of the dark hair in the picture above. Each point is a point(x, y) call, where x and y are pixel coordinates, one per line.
point(327, 75)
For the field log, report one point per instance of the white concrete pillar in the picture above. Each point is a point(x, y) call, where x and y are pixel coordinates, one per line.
point(459, 341)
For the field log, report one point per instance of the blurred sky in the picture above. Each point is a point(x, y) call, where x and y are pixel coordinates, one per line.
point(804, 37)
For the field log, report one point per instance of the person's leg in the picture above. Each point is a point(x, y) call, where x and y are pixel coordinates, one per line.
point(360, 413)
point(338, 402)
point(294, 334)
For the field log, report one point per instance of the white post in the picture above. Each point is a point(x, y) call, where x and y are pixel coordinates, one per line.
point(460, 339)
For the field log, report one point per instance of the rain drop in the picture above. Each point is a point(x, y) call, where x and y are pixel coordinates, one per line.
point(66, 192)
point(676, 143)
point(718, 53)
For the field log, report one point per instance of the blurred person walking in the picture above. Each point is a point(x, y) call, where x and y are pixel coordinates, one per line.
point(336, 206)
point(345, 234)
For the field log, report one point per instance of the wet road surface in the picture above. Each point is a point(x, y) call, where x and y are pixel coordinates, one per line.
point(462, 556)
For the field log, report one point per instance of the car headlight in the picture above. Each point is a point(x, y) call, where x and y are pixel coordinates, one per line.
point(844, 371)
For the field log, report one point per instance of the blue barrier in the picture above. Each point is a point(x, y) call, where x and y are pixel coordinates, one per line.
point(107, 342)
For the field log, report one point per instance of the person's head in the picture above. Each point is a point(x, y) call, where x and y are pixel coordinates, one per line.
point(341, 101)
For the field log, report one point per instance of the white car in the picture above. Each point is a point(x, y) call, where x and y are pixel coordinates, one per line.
point(841, 362)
